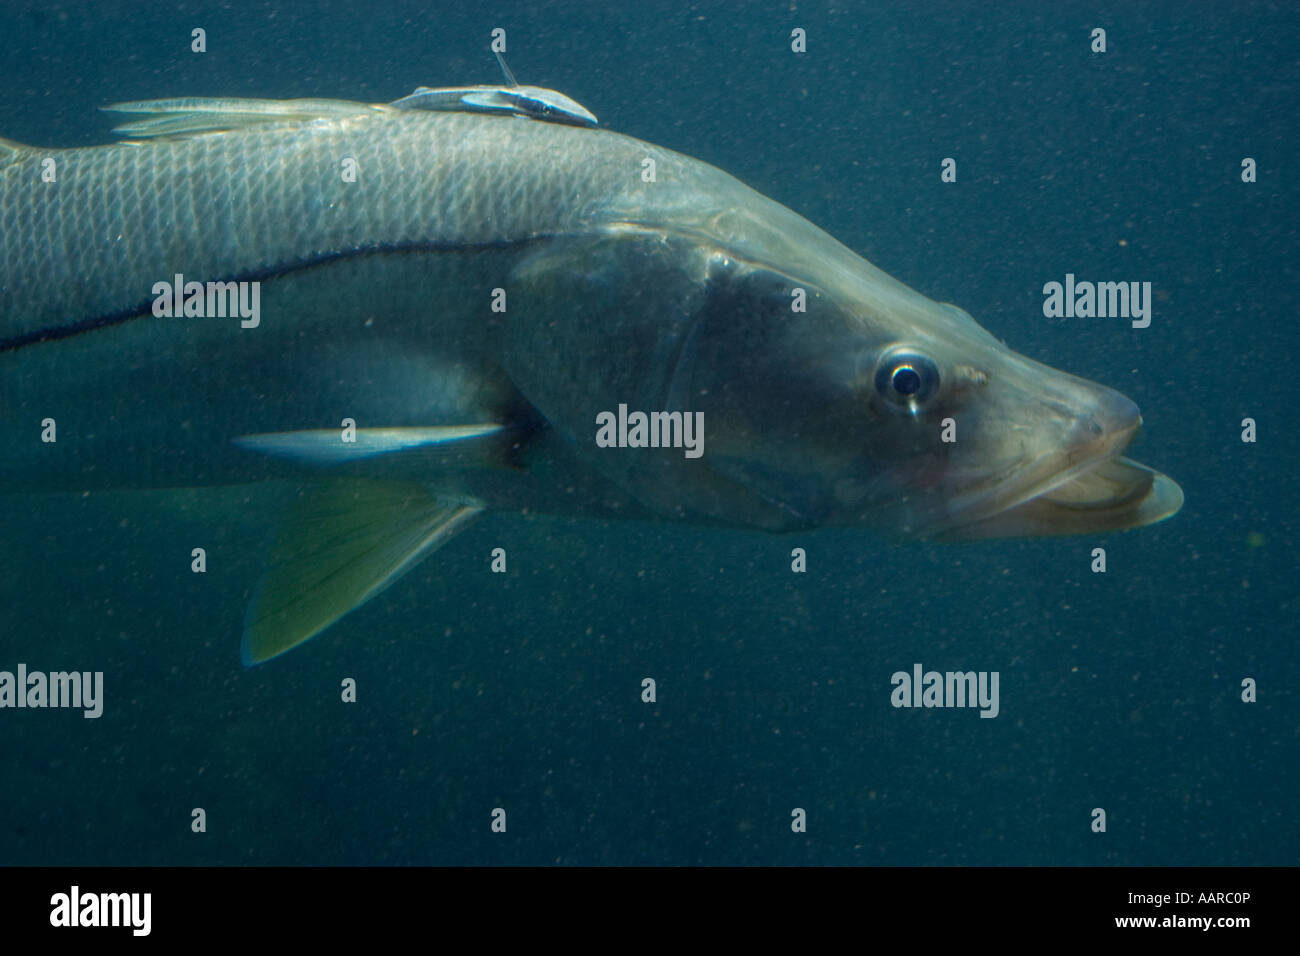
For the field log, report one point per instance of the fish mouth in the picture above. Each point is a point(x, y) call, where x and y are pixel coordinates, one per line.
point(1084, 486)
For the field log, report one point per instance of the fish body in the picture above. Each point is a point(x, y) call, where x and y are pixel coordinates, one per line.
point(476, 293)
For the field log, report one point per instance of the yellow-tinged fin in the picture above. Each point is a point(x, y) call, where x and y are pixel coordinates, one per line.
point(344, 542)
point(192, 115)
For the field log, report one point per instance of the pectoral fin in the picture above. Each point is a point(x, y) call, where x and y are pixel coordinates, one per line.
point(325, 446)
point(344, 542)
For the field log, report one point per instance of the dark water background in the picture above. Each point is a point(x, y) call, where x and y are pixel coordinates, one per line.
point(476, 691)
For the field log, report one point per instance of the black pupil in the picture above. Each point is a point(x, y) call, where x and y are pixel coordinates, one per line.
point(906, 380)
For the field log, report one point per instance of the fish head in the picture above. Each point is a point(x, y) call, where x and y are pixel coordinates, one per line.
point(827, 392)
point(849, 399)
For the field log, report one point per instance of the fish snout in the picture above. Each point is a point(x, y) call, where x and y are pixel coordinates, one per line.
point(1105, 423)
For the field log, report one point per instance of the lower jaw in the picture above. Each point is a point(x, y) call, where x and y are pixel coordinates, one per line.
point(1052, 474)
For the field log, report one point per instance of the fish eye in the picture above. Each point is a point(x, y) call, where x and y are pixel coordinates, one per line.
point(906, 379)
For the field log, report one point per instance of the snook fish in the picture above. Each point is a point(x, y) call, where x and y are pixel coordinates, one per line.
point(441, 331)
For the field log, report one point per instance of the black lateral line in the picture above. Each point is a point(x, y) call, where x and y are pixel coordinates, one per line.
point(110, 319)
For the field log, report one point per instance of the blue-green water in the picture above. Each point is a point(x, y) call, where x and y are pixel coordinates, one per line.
point(1118, 690)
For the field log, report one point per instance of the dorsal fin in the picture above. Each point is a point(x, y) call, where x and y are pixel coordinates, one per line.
point(510, 77)
point(191, 115)
point(10, 151)
point(534, 102)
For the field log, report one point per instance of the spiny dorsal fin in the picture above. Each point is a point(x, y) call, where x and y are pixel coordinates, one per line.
point(510, 77)
point(192, 115)
point(534, 102)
